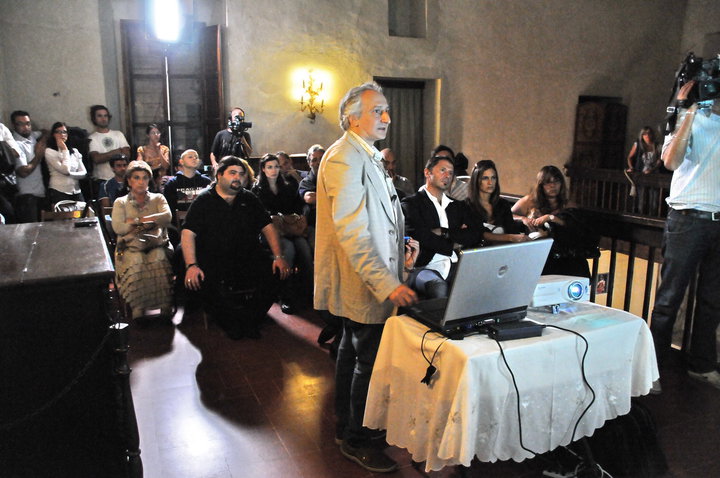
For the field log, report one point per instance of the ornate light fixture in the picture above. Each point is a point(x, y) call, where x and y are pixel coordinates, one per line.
point(309, 97)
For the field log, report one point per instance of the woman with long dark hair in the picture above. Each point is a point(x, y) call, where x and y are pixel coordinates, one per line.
point(66, 167)
point(281, 198)
point(547, 199)
point(644, 155)
point(491, 210)
point(549, 210)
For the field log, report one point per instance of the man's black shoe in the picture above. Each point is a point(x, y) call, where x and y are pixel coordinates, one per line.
point(287, 308)
point(369, 458)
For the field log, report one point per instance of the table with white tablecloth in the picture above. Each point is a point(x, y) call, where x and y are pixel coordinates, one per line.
point(470, 407)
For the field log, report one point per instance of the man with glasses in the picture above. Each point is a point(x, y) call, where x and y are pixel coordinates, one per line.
point(31, 189)
point(104, 144)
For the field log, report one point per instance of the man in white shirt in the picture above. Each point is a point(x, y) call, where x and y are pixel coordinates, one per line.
point(8, 155)
point(441, 225)
point(691, 238)
point(104, 144)
point(31, 189)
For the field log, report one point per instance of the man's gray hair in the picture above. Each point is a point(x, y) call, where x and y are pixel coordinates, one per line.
point(313, 148)
point(351, 105)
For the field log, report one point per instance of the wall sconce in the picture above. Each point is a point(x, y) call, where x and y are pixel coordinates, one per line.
point(309, 98)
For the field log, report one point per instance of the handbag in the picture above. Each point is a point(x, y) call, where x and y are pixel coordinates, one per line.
point(142, 240)
point(290, 225)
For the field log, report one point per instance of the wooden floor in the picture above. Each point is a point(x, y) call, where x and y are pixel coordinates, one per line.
point(210, 407)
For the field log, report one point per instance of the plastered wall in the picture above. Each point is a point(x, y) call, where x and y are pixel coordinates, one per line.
point(508, 72)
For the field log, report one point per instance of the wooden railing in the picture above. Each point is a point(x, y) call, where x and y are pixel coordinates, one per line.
point(610, 190)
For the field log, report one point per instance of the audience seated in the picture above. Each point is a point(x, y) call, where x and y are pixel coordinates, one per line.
point(308, 188)
point(279, 197)
point(492, 211)
point(114, 187)
point(290, 174)
point(547, 209)
point(31, 197)
point(66, 167)
point(236, 279)
point(182, 189)
point(441, 225)
point(140, 219)
point(403, 185)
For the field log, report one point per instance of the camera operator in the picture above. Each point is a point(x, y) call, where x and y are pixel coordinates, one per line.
point(692, 233)
point(234, 140)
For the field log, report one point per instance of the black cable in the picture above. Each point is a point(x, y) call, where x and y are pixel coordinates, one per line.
point(431, 369)
point(517, 395)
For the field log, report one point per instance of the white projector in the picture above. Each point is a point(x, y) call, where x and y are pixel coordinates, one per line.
point(556, 289)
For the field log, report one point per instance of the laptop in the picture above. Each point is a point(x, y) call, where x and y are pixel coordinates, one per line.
point(492, 285)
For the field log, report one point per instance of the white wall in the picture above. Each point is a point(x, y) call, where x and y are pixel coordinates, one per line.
point(52, 58)
point(510, 71)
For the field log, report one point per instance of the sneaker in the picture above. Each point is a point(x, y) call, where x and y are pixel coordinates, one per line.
point(656, 389)
point(369, 458)
point(711, 378)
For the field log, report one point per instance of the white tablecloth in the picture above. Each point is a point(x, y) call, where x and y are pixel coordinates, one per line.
point(470, 408)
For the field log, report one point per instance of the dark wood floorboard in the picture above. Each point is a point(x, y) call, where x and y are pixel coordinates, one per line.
point(211, 407)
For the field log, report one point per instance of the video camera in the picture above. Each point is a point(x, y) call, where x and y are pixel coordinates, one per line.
point(705, 73)
point(238, 125)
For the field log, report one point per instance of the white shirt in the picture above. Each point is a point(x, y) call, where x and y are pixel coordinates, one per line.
point(6, 135)
point(696, 182)
point(439, 262)
point(66, 170)
point(102, 143)
point(32, 183)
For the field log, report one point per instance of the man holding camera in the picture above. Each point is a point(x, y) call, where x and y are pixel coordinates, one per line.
point(234, 140)
point(692, 235)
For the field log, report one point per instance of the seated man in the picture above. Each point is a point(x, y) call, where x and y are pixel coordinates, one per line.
point(182, 189)
point(441, 225)
point(403, 185)
point(308, 187)
point(110, 189)
point(224, 259)
point(290, 174)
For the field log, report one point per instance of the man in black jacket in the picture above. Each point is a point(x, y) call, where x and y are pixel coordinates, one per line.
point(441, 225)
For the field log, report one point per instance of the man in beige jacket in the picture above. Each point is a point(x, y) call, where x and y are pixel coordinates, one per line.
point(359, 259)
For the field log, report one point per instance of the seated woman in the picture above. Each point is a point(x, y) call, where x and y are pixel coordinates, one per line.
point(140, 220)
point(492, 210)
point(66, 167)
point(280, 197)
point(154, 153)
point(547, 209)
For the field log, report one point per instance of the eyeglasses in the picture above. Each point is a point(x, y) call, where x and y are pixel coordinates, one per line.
point(61, 131)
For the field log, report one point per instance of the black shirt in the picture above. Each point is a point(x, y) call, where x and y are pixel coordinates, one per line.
point(227, 242)
point(180, 190)
point(223, 144)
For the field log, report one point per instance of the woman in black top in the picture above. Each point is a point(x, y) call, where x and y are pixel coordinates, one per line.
point(492, 210)
point(279, 197)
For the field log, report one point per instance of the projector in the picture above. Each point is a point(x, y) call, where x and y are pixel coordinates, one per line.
point(557, 289)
